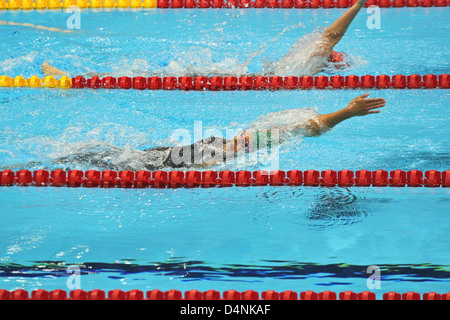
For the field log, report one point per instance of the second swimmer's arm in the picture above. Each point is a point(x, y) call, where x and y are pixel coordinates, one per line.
point(360, 106)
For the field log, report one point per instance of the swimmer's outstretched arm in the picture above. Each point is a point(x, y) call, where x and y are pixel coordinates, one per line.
point(337, 29)
point(360, 106)
point(49, 70)
point(12, 23)
point(334, 33)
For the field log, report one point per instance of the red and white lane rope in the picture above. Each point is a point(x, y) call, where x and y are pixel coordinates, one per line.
point(207, 179)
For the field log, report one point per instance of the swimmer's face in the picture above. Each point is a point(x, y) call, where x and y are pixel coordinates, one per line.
point(240, 139)
point(230, 146)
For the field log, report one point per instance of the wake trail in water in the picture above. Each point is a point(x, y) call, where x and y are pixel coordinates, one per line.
point(193, 61)
point(197, 61)
point(100, 148)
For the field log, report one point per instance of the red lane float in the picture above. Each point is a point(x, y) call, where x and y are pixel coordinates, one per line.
point(207, 179)
point(299, 4)
point(215, 83)
point(173, 294)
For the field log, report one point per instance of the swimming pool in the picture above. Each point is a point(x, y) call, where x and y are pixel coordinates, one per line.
point(258, 238)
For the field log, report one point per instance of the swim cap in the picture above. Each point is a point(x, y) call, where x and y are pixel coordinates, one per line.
point(338, 59)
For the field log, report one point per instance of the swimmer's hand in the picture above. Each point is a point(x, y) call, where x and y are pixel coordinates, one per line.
point(360, 106)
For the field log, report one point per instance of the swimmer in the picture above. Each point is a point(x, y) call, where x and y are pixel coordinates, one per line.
point(216, 150)
point(322, 51)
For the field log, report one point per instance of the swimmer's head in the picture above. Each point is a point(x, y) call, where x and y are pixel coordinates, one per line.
point(338, 59)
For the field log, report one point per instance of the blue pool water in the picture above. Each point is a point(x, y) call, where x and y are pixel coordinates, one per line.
point(259, 238)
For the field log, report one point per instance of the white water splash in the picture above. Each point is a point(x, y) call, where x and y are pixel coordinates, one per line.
point(195, 61)
point(201, 62)
point(305, 57)
point(198, 61)
point(107, 145)
point(293, 122)
point(113, 146)
point(14, 65)
point(298, 61)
